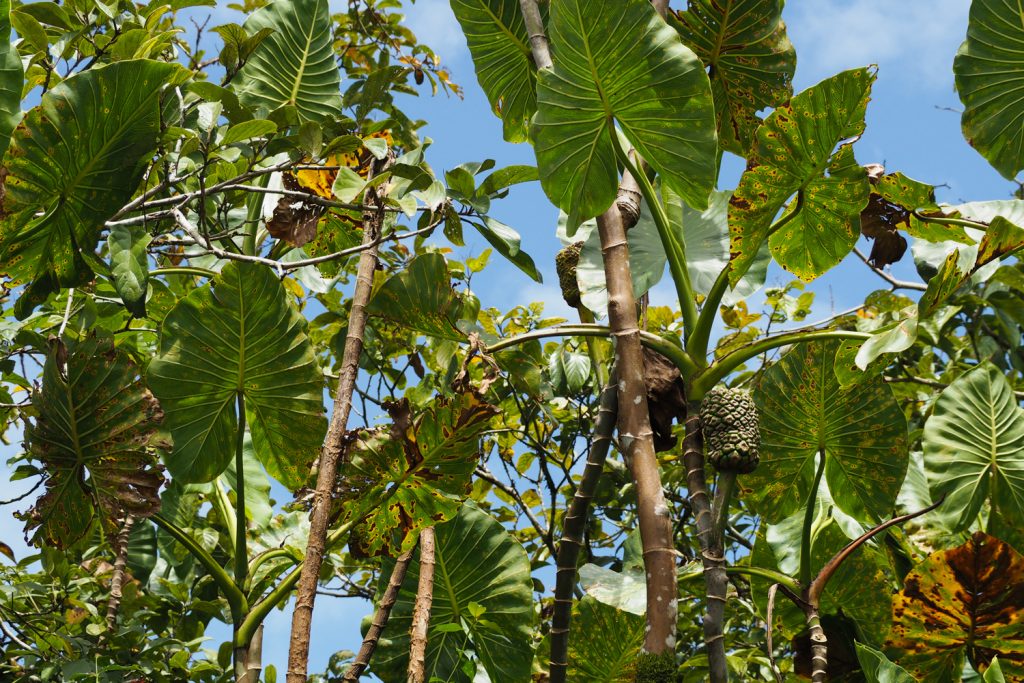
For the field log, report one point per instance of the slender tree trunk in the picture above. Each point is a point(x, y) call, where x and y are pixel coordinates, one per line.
point(819, 647)
point(249, 659)
point(421, 610)
point(636, 438)
point(380, 618)
point(117, 578)
point(715, 579)
point(330, 454)
point(575, 524)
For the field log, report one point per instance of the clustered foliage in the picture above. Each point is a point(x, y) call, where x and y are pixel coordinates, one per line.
point(205, 230)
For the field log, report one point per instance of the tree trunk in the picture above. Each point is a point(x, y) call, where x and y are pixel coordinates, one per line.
point(636, 438)
point(421, 610)
point(117, 578)
point(330, 454)
point(249, 659)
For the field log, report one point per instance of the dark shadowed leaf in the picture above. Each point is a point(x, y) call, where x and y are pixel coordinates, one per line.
point(604, 643)
point(618, 60)
point(476, 562)
point(424, 464)
point(750, 61)
point(878, 669)
point(295, 64)
point(73, 162)
point(497, 39)
point(130, 266)
point(861, 429)
point(239, 334)
point(95, 431)
point(968, 601)
point(792, 152)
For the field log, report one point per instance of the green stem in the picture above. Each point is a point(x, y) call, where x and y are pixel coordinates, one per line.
point(265, 557)
point(652, 341)
point(236, 599)
point(253, 215)
point(697, 345)
point(949, 220)
point(597, 359)
point(226, 513)
point(805, 535)
point(746, 570)
point(241, 545)
point(183, 270)
point(675, 251)
point(720, 370)
point(723, 494)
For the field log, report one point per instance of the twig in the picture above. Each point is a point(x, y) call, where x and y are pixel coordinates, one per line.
point(67, 313)
point(896, 284)
point(421, 610)
point(488, 476)
point(380, 619)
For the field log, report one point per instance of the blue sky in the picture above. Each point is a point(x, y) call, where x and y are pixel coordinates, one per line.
point(909, 129)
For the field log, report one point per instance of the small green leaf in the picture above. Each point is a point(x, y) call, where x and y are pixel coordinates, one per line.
point(506, 177)
point(378, 147)
point(348, 185)
point(247, 130)
point(506, 241)
point(129, 265)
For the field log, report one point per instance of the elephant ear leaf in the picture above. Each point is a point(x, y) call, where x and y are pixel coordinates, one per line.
point(73, 162)
point(11, 79)
point(239, 335)
point(749, 57)
point(95, 434)
point(960, 602)
point(497, 39)
point(793, 154)
point(989, 71)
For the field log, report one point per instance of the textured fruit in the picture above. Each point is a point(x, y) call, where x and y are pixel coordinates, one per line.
point(728, 419)
point(566, 261)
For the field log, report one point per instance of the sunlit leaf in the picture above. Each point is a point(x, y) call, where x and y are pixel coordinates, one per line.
point(974, 449)
point(73, 162)
point(11, 79)
point(239, 334)
point(94, 434)
point(791, 155)
point(860, 428)
point(989, 70)
point(750, 61)
point(618, 60)
point(625, 590)
point(604, 643)
point(421, 298)
point(500, 46)
point(423, 462)
point(477, 561)
point(964, 602)
point(295, 64)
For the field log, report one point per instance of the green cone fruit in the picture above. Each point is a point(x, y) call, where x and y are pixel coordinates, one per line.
point(728, 419)
point(566, 261)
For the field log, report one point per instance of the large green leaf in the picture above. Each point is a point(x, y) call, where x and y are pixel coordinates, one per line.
point(239, 335)
point(604, 643)
point(974, 449)
point(421, 298)
point(500, 45)
point(11, 78)
point(792, 151)
point(968, 601)
point(476, 562)
point(617, 60)
point(94, 433)
point(749, 58)
point(73, 162)
point(861, 429)
point(293, 66)
point(989, 70)
point(422, 466)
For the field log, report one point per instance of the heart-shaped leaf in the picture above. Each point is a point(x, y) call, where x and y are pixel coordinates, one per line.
point(860, 428)
point(420, 467)
point(974, 449)
point(239, 335)
point(94, 434)
point(603, 52)
point(294, 65)
point(750, 61)
point(989, 70)
point(968, 601)
point(73, 162)
point(476, 562)
point(792, 151)
point(500, 46)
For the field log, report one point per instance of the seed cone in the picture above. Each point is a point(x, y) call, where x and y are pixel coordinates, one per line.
point(729, 421)
point(566, 261)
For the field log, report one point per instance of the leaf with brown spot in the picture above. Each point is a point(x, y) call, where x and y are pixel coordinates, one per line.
point(423, 465)
point(965, 602)
point(95, 435)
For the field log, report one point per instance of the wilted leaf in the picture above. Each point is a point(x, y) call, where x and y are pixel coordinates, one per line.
point(421, 298)
point(423, 463)
point(95, 434)
point(968, 601)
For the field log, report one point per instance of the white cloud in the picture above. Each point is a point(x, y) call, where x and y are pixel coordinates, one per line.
point(918, 38)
